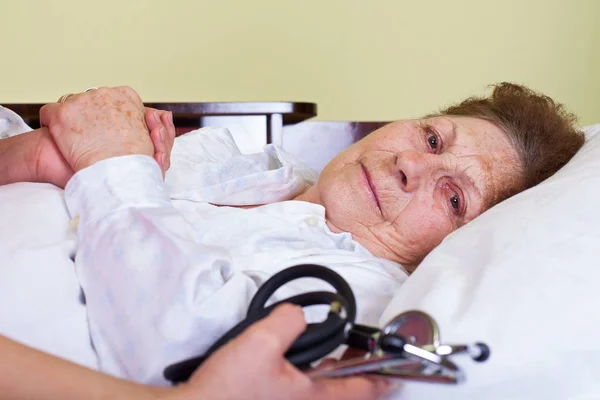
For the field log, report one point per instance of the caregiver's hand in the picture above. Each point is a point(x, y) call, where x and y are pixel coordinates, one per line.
point(99, 124)
point(253, 366)
point(162, 133)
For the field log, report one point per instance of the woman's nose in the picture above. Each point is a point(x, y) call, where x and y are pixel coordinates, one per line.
point(414, 168)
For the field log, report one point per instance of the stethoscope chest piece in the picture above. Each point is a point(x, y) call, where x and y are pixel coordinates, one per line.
point(409, 348)
point(416, 327)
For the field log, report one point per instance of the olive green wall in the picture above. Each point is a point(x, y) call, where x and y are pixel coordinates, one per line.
point(362, 60)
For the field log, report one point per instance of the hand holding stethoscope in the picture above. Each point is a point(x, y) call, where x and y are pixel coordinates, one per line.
point(407, 348)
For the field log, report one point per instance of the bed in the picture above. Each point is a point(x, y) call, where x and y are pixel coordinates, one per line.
point(523, 277)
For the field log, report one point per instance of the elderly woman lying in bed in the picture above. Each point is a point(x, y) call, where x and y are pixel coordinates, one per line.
point(166, 269)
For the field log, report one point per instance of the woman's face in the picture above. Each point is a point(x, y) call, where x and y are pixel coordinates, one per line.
point(406, 186)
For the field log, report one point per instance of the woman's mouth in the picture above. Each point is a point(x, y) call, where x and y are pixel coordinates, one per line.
point(370, 187)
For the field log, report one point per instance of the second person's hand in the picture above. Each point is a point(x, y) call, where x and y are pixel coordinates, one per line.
point(253, 366)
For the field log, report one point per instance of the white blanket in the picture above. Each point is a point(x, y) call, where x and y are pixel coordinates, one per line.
point(166, 279)
point(40, 297)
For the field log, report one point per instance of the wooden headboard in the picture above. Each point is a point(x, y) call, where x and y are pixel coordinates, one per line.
point(254, 124)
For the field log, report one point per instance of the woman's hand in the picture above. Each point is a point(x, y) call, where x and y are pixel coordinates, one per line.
point(50, 165)
point(253, 366)
point(103, 123)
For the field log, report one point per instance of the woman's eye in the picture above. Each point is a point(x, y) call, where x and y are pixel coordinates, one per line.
point(433, 140)
point(455, 202)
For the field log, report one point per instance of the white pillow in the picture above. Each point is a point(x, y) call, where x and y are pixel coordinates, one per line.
point(524, 278)
point(40, 297)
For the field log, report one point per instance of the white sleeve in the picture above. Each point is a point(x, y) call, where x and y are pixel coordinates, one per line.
point(147, 278)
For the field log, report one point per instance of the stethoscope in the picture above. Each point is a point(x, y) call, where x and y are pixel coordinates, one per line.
point(408, 347)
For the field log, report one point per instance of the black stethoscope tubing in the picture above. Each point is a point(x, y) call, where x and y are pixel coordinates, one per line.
point(318, 340)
